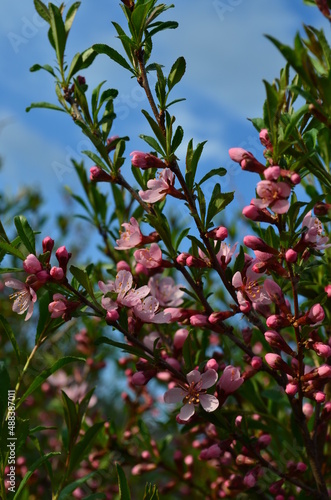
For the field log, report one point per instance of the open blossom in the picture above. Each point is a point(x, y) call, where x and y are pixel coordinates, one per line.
point(249, 289)
point(230, 380)
point(158, 187)
point(25, 297)
point(194, 393)
point(165, 291)
point(147, 310)
point(131, 237)
point(273, 195)
point(122, 286)
point(149, 257)
point(313, 236)
point(224, 255)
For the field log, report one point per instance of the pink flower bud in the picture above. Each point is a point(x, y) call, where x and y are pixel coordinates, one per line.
point(212, 364)
point(264, 440)
point(256, 243)
point(257, 214)
point(48, 244)
point(256, 362)
point(295, 178)
point(301, 467)
point(275, 339)
point(56, 273)
point(291, 255)
point(272, 173)
point(308, 410)
point(321, 208)
point(99, 175)
point(139, 378)
point(276, 321)
point(141, 269)
point(291, 388)
point(123, 266)
point(316, 314)
point(219, 233)
point(180, 337)
point(112, 316)
point(63, 257)
point(146, 160)
point(276, 362)
point(238, 421)
point(265, 139)
point(249, 480)
point(322, 349)
point(319, 397)
point(213, 451)
point(327, 290)
point(324, 371)
point(31, 264)
point(181, 259)
point(199, 320)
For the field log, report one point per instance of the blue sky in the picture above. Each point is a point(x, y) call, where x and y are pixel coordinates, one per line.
point(227, 57)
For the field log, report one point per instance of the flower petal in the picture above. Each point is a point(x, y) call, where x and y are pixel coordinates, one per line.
point(186, 412)
point(208, 402)
point(174, 395)
point(193, 376)
point(209, 378)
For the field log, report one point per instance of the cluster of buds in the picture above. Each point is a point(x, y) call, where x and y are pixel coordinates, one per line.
point(39, 273)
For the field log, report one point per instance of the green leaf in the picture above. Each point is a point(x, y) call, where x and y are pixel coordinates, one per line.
point(58, 32)
point(46, 373)
point(25, 232)
point(122, 484)
point(96, 159)
point(4, 388)
point(160, 26)
point(79, 450)
point(216, 171)
point(176, 73)
point(75, 66)
point(47, 105)
point(177, 138)
point(182, 235)
point(153, 143)
point(102, 48)
point(8, 330)
point(192, 159)
point(11, 249)
point(65, 494)
point(36, 465)
point(202, 203)
point(72, 11)
point(42, 10)
point(72, 419)
point(84, 280)
point(44, 315)
point(156, 129)
point(125, 347)
point(240, 261)
point(217, 203)
point(46, 67)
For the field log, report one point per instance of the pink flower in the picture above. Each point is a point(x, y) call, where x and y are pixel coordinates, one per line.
point(230, 380)
point(316, 314)
point(313, 235)
point(165, 291)
point(122, 286)
point(158, 188)
point(193, 393)
point(32, 265)
point(145, 160)
point(132, 236)
point(249, 288)
point(150, 258)
point(273, 195)
point(58, 306)
point(147, 311)
point(25, 297)
point(219, 233)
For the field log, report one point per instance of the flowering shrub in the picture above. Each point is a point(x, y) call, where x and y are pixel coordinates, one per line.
point(235, 335)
